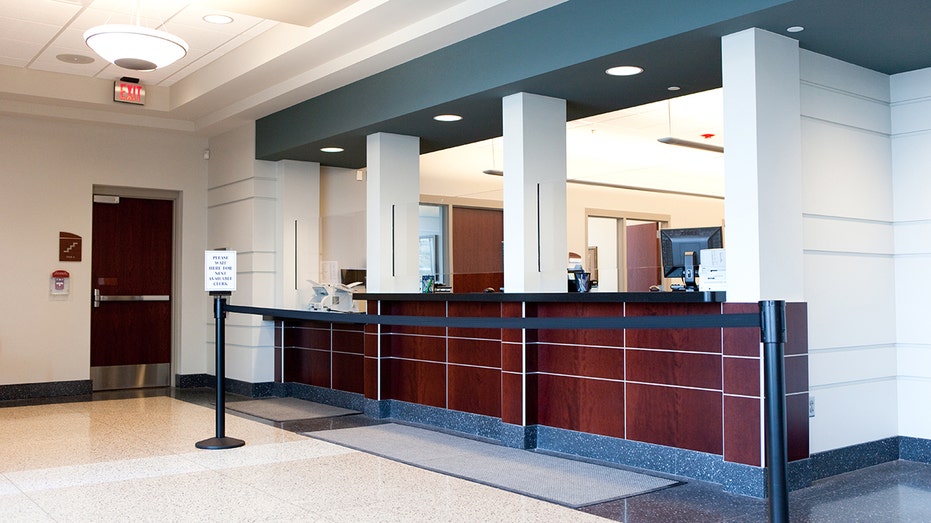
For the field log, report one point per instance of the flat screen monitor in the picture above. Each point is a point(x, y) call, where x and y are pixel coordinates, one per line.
point(676, 244)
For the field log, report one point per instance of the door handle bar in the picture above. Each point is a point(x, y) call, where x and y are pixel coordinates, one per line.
point(98, 298)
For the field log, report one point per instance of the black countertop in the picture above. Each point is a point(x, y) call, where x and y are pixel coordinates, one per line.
point(553, 297)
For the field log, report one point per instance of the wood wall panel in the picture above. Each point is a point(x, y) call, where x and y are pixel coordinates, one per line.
point(348, 340)
point(596, 362)
point(703, 340)
point(348, 372)
point(601, 337)
point(742, 376)
point(475, 389)
point(431, 348)
point(743, 341)
point(586, 405)
point(684, 369)
point(512, 357)
point(512, 398)
point(414, 381)
point(484, 353)
point(742, 438)
point(675, 417)
point(474, 310)
point(797, 426)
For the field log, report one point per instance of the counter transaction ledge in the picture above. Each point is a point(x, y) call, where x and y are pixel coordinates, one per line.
point(532, 370)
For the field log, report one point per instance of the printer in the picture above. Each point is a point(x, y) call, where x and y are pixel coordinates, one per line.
point(332, 297)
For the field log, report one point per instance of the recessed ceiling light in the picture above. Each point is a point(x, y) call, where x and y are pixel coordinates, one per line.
point(624, 70)
point(75, 58)
point(673, 88)
point(331, 149)
point(447, 118)
point(218, 19)
point(795, 29)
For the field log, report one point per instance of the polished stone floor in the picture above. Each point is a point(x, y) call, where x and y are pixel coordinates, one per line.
point(130, 456)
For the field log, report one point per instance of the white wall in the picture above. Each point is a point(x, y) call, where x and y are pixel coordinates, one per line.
point(342, 217)
point(848, 252)
point(48, 170)
point(252, 208)
point(911, 150)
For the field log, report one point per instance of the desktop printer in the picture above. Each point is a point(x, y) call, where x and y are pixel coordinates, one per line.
point(332, 297)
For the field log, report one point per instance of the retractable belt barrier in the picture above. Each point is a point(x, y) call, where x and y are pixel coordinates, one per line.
point(770, 320)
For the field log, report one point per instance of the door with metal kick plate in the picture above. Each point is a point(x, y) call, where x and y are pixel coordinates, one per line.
point(131, 262)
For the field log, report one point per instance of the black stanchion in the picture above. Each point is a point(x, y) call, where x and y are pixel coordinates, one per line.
point(220, 441)
point(773, 332)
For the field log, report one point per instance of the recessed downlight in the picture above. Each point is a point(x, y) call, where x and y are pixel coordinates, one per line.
point(673, 88)
point(331, 149)
point(795, 29)
point(75, 58)
point(624, 70)
point(447, 118)
point(218, 19)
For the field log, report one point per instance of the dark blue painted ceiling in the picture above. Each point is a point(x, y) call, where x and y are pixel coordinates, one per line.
point(563, 52)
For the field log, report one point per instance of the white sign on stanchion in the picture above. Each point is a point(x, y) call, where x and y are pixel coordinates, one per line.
point(220, 282)
point(219, 271)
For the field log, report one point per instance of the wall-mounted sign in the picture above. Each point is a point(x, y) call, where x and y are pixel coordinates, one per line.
point(128, 92)
point(219, 271)
point(69, 247)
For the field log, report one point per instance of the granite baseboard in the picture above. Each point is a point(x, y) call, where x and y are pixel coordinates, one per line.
point(52, 389)
point(243, 388)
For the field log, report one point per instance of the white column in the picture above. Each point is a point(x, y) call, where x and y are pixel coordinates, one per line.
point(762, 165)
point(535, 245)
point(299, 234)
point(392, 200)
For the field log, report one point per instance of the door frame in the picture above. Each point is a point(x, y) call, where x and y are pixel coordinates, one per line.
point(175, 197)
point(622, 217)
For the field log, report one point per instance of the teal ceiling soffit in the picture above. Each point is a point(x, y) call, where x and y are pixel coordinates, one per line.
point(556, 38)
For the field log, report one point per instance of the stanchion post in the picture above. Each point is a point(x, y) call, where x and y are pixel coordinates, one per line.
point(220, 441)
point(773, 333)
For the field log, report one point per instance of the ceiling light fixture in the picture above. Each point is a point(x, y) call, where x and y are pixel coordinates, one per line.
point(447, 118)
point(218, 19)
point(624, 70)
point(135, 47)
point(795, 29)
point(331, 149)
point(694, 145)
point(670, 140)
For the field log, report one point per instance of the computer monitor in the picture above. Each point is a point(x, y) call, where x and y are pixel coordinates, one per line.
point(682, 251)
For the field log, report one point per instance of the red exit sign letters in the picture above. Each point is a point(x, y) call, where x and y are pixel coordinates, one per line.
point(128, 92)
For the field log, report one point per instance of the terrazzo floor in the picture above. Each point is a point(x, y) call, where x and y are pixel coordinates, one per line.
point(131, 457)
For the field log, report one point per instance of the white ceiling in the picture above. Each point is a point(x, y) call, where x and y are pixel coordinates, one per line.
point(277, 53)
point(619, 148)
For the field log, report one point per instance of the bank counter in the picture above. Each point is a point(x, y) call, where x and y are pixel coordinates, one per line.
point(684, 401)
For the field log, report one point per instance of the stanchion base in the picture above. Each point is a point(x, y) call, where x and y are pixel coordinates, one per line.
point(219, 443)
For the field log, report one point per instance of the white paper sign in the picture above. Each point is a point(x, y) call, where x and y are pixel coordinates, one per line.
point(219, 271)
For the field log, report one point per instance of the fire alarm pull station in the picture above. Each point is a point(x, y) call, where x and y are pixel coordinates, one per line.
point(60, 283)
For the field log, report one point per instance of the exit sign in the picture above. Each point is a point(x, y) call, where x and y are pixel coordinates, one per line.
point(128, 92)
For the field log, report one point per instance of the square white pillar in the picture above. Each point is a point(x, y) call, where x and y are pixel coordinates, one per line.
point(763, 167)
point(392, 202)
point(535, 245)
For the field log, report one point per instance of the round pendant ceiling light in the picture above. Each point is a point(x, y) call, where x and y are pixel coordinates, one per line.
point(135, 47)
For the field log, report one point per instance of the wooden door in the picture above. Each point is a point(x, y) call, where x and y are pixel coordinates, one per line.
point(478, 256)
point(643, 260)
point(131, 259)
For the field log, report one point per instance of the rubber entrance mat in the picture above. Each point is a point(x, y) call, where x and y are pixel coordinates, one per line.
point(564, 481)
point(287, 409)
